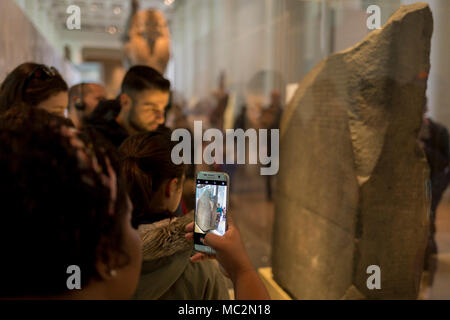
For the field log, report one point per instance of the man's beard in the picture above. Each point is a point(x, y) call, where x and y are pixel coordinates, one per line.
point(134, 124)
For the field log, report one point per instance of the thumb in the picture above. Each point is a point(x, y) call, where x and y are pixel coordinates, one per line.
point(213, 240)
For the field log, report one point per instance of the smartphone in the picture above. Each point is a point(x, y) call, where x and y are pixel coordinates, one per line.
point(211, 207)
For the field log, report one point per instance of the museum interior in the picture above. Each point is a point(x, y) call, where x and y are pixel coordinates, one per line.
point(348, 99)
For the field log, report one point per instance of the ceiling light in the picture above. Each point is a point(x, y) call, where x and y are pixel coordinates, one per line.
point(112, 30)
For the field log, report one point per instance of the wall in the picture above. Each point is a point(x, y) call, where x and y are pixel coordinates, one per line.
point(244, 37)
point(42, 21)
point(240, 38)
point(21, 42)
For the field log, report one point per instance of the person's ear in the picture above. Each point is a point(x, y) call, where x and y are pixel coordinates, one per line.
point(105, 271)
point(106, 262)
point(73, 101)
point(125, 101)
point(171, 187)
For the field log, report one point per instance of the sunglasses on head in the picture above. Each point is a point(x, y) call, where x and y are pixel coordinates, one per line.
point(41, 72)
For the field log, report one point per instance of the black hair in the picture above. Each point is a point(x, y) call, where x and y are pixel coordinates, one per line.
point(140, 78)
point(30, 84)
point(18, 117)
point(57, 211)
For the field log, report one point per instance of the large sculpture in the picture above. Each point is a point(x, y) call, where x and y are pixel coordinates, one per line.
point(352, 189)
point(148, 39)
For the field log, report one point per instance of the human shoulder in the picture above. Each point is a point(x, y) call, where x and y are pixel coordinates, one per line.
point(206, 276)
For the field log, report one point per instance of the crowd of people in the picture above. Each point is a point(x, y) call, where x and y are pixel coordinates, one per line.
point(89, 182)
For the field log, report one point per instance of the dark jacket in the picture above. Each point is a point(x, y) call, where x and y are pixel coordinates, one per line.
point(103, 121)
point(435, 140)
point(168, 274)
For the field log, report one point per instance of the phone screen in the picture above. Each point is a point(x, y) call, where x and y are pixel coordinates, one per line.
point(211, 211)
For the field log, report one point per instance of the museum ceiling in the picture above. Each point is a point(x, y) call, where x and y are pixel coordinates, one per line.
point(99, 16)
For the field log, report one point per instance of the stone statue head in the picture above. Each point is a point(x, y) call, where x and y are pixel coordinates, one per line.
point(148, 41)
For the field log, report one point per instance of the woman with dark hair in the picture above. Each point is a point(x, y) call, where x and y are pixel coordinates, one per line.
point(35, 85)
point(66, 230)
point(171, 269)
point(155, 186)
point(153, 181)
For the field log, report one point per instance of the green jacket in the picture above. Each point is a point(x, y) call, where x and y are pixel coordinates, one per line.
point(168, 274)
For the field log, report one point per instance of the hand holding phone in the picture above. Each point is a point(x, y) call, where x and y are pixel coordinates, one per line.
point(229, 250)
point(232, 256)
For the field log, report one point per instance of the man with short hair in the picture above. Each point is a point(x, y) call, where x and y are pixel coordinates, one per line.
point(140, 107)
point(83, 99)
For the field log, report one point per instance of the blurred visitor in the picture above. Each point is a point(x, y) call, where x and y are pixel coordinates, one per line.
point(263, 109)
point(222, 97)
point(434, 138)
point(83, 99)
